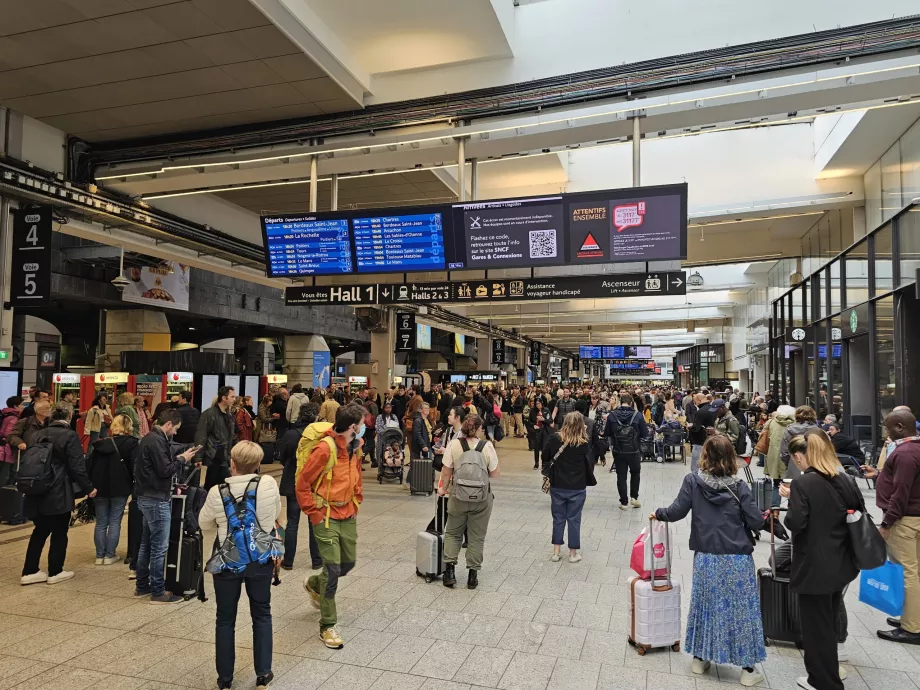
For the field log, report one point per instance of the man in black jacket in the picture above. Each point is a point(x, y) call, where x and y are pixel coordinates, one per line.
point(843, 444)
point(50, 511)
point(287, 451)
point(188, 416)
point(215, 435)
point(704, 418)
point(626, 460)
point(399, 403)
point(156, 464)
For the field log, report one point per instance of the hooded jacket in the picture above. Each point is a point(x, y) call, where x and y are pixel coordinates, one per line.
point(793, 430)
point(9, 417)
point(775, 466)
point(111, 465)
point(716, 524)
point(294, 404)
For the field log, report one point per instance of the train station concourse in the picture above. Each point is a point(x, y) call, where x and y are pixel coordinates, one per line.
point(512, 344)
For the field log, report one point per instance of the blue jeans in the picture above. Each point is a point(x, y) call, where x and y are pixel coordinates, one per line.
point(290, 536)
point(566, 506)
point(109, 512)
point(93, 437)
point(151, 559)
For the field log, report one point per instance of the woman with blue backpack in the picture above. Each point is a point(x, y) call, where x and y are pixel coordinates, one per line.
point(244, 509)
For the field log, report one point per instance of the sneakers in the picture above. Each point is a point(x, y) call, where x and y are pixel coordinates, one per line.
point(331, 638)
point(99, 561)
point(556, 558)
point(842, 672)
point(132, 574)
point(575, 558)
point(62, 576)
point(623, 506)
point(699, 667)
point(263, 681)
point(34, 578)
point(110, 561)
point(635, 503)
point(224, 684)
point(842, 655)
point(750, 678)
point(804, 684)
point(166, 598)
point(314, 596)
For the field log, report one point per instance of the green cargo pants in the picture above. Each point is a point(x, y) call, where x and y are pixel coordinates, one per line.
point(472, 517)
point(338, 549)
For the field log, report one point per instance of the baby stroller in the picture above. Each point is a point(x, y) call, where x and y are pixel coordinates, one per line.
point(385, 441)
point(649, 446)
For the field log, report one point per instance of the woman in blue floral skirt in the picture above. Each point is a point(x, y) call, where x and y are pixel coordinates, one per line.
point(724, 624)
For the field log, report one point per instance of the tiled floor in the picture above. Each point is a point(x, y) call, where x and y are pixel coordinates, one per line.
point(531, 625)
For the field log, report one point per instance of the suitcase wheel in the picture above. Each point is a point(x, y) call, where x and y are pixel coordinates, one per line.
point(641, 650)
point(675, 647)
point(659, 459)
point(428, 579)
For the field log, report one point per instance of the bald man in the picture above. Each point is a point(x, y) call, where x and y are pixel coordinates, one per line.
point(898, 496)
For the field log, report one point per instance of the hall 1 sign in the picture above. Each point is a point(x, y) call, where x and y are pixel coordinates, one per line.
point(405, 331)
point(498, 351)
point(30, 274)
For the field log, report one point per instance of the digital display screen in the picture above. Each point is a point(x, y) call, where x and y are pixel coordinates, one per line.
point(613, 352)
point(422, 337)
point(629, 366)
point(590, 352)
point(459, 344)
point(457, 378)
point(399, 243)
point(638, 351)
point(836, 351)
point(307, 246)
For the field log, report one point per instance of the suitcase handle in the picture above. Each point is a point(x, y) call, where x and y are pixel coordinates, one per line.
point(667, 558)
point(772, 535)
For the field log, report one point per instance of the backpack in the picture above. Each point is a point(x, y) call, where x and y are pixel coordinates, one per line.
point(471, 474)
point(3, 441)
point(309, 439)
point(742, 441)
point(497, 411)
point(625, 438)
point(246, 542)
point(35, 471)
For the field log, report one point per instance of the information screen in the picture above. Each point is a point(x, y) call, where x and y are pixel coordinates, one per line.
point(638, 351)
point(307, 246)
point(628, 366)
point(613, 352)
point(590, 352)
point(399, 243)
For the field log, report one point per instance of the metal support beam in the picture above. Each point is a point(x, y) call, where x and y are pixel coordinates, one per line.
point(314, 184)
point(91, 252)
point(335, 192)
point(474, 179)
point(461, 169)
point(636, 154)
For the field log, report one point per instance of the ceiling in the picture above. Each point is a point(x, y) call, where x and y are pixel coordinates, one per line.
point(112, 69)
point(374, 191)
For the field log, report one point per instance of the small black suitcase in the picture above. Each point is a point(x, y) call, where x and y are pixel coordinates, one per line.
point(184, 566)
point(11, 505)
point(421, 476)
point(779, 607)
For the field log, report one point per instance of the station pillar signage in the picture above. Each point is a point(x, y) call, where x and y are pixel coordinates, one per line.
point(534, 353)
point(405, 331)
point(30, 267)
point(498, 351)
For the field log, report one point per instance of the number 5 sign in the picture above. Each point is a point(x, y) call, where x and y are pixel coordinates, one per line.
point(30, 276)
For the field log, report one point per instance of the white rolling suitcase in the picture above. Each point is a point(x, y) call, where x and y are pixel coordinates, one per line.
point(654, 609)
point(429, 549)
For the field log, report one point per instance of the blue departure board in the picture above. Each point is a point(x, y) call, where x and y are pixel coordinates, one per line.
point(613, 351)
point(307, 246)
point(399, 243)
point(589, 352)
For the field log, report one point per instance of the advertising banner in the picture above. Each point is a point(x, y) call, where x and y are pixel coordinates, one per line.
point(165, 285)
point(322, 368)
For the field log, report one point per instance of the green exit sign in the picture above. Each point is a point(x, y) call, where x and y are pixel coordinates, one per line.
point(4, 354)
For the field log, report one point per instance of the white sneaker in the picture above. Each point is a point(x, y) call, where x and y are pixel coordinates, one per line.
point(62, 576)
point(624, 506)
point(842, 672)
point(556, 558)
point(749, 678)
point(99, 561)
point(804, 684)
point(110, 561)
point(842, 655)
point(34, 578)
point(699, 667)
point(132, 574)
point(635, 503)
point(575, 559)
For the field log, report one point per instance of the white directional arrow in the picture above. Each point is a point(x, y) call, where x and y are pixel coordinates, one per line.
point(386, 292)
point(677, 282)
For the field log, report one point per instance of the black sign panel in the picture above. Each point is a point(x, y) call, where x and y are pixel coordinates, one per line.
point(534, 353)
point(30, 276)
point(498, 351)
point(405, 331)
point(501, 290)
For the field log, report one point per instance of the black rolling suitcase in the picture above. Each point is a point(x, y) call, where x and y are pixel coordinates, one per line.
point(779, 607)
point(185, 553)
point(762, 489)
point(421, 476)
point(11, 505)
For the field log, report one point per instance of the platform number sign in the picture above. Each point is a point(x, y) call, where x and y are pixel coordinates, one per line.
point(405, 331)
point(498, 351)
point(30, 275)
point(534, 353)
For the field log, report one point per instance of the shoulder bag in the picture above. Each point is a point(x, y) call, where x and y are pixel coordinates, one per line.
point(548, 471)
point(869, 548)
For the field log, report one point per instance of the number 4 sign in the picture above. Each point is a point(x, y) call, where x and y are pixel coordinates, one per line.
point(30, 276)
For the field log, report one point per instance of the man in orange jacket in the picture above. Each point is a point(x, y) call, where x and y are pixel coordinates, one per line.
point(329, 494)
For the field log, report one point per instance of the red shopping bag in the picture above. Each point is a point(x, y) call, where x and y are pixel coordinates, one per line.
point(652, 542)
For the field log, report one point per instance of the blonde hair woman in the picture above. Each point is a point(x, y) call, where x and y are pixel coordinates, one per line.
point(126, 407)
point(823, 563)
point(110, 466)
point(245, 458)
point(570, 469)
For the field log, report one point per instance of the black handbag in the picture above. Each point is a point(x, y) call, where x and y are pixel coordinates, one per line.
point(548, 471)
point(869, 548)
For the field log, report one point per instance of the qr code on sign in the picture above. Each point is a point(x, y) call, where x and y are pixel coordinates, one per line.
point(542, 244)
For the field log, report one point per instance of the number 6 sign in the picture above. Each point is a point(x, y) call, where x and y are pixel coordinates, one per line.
point(30, 276)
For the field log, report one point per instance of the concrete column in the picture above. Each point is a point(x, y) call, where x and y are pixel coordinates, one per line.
point(133, 329)
point(314, 184)
point(260, 357)
point(474, 179)
point(484, 354)
point(383, 353)
point(636, 153)
point(461, 169)
point(299, 353)
point(335, 193)
point(34, 334)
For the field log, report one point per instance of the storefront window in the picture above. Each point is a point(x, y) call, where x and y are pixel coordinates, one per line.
point(835, 304)
point(883, 274)
point(884, 319)
point(857, 272)
point(909, 244)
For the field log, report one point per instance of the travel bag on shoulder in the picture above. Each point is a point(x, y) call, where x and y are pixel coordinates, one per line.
point(470, 481)
point(654, 606)
point(625, 438)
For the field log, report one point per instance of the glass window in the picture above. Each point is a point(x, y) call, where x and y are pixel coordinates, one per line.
point(909, 245)
point(836, 369)
point(910, 164)
point(883, 275)
point(857, 272)
point(835, 305)
point(891, 182)
point(794, 309)
point(873, 184)
point(884, 320)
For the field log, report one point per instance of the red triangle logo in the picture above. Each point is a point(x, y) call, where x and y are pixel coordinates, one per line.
point(590, 244)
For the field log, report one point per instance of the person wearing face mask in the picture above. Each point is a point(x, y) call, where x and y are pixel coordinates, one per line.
point(154, 468)
point(329, 492)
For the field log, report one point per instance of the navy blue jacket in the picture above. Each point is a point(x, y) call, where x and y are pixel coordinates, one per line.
point(715, 526)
